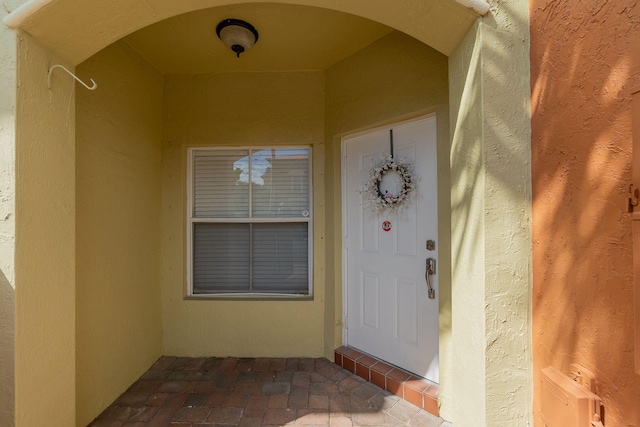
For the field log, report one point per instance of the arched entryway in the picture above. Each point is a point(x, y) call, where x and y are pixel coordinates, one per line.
point(468, 371)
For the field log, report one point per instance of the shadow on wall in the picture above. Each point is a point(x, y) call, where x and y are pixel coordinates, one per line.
point(581, 158)
point(7, 350)
point(490, 216)
point(509, 154)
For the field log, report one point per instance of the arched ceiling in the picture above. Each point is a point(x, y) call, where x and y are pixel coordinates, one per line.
point(291, 37)
point(76, 29)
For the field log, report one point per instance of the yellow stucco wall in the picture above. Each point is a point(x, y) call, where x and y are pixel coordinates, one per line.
point(118, 191)
point(394, 78)
point(491, 221)
point(239, 109)
point(45, 242)
point(8, 59)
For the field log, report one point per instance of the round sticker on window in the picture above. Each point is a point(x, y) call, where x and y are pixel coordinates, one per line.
point(386, 226)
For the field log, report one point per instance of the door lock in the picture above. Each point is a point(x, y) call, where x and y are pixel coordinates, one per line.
point(430, 271)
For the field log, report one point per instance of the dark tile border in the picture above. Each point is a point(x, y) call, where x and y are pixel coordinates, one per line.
point(415, 390)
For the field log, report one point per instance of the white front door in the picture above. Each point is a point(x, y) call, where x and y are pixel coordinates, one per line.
point(388, 310)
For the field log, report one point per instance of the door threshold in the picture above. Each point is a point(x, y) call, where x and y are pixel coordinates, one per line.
point(407, 386)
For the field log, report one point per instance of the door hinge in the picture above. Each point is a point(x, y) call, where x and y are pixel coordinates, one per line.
point(632, 197)
point(346, 323)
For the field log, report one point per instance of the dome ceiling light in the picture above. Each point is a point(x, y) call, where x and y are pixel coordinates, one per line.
point(237, 35)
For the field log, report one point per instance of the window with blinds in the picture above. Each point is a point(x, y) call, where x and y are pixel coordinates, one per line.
point(249, 221)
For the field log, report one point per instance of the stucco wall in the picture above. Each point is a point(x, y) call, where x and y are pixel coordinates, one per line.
point(581, 122)
point(392, 79)
point(118, 191)
point(45, 242)
point(8, 59)
point(468, 232)
point(239, 109)
point(491, 220)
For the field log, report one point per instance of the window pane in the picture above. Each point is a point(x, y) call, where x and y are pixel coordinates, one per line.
point(220, 257)
point(280, 257)
point(280, 179)
point(232, 253)
point(221, 184)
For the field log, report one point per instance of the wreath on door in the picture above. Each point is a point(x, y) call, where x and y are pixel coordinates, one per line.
point(386, 168)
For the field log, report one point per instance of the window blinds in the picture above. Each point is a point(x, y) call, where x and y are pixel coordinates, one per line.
point(250, 221)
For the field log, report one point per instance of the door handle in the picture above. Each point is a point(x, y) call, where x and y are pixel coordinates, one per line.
point(430, 271)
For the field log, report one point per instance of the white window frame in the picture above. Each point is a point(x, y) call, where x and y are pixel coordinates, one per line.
point(191, 220)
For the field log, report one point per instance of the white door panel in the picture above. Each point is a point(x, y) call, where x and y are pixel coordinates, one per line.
point(389, 313)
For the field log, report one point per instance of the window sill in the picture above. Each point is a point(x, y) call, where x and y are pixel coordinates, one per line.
point(248, 297)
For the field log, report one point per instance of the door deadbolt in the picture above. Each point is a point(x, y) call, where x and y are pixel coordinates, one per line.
point(431, 245)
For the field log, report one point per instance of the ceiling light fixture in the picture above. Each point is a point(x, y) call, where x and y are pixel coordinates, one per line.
point(237, 35)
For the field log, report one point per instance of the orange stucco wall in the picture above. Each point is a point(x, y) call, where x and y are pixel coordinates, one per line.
point(581, 78)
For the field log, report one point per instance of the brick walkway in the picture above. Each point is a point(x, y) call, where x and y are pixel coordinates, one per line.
point(181, 392)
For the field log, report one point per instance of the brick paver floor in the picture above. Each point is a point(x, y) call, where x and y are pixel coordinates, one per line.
point(190, 392)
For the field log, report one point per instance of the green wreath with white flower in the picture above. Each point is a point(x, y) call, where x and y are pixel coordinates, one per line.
point(379, 201)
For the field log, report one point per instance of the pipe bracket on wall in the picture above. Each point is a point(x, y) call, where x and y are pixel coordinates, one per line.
point(95, 85)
